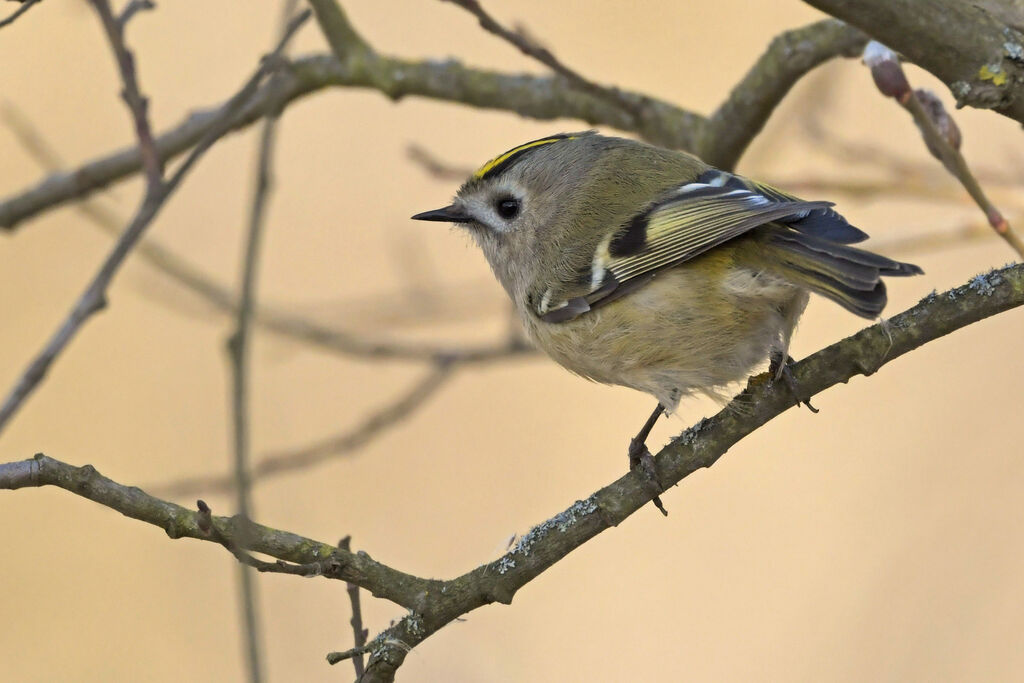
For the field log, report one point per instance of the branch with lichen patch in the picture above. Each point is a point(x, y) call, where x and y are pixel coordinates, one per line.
point(434, 604)
point(975, 48)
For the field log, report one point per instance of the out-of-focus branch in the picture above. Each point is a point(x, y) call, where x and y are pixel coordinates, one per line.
point(934, 240)
point(434, 166)
point(93, 299)
point(976, 48)
point(349, 441)
point(542, 98)
point(434, 604)
point(279, 320)
point(941, 135)
point(239, 353)
point(138, 104)
point(25, 6)
point(789, 57)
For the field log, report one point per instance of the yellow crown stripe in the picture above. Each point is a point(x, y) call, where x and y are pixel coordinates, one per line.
point(498, 160)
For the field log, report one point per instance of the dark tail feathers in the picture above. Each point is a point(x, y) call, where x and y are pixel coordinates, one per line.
point(851, 277)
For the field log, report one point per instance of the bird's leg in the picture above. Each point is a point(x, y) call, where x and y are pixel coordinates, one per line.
point(640, 457)
point(778, 368)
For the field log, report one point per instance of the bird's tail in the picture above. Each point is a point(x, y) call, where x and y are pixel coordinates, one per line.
point(850, 277)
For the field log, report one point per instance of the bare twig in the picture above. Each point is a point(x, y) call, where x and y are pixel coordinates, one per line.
point(435, 167)
point(315, 558)
point(345, 443)
point(892, 81)
point(433, 604)
point(529, 47)
point(137, 103)
point(359, 633)
point(279, 320)
point(239, 354)
point(355, 654)
point(25, 6)
point(93, 299)
point(132, 8)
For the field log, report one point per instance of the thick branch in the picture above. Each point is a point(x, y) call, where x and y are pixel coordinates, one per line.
point(975, 48)
point(698, 447)
point(544, 98)
point(433, 604)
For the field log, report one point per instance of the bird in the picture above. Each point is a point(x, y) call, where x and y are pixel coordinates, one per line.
point(634, 265)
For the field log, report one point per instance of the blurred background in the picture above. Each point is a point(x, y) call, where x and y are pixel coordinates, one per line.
point(878, 540)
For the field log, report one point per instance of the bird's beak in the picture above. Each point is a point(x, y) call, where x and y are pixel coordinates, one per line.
point(449, 214)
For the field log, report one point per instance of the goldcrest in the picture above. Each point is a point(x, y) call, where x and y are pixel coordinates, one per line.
point(645, 267)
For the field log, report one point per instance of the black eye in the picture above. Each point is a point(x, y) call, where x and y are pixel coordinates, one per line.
point(507, 207)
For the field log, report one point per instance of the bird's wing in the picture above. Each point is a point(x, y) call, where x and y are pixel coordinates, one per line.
point(683, 224)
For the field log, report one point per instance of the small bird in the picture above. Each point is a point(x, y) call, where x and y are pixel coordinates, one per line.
point(645, 267)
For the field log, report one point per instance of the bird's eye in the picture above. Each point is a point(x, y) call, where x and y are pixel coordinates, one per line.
point(507, 207)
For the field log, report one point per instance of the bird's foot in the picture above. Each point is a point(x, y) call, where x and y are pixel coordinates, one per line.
point(778, 368)
point(640, 459)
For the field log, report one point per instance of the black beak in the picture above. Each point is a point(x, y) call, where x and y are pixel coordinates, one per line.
point(449, 214)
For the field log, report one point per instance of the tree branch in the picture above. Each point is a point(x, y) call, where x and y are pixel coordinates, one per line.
point(239, 355)
point(317, 558)
point(789, 57)
point(542, 98)
point(975, 48)
point(358, 632)
point(434, 604)
point(25, 6)
point(530, 48)
point(93, 299)
point(941, 135)
point(138, 104)
point(334, 446)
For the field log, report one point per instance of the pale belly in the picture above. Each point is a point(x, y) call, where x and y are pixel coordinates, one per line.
point(678, 335)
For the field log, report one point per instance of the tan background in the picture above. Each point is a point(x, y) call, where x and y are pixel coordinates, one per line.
point(879, 540)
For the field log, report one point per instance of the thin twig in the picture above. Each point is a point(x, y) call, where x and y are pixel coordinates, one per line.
point(239, 353)
point(25, 6)
point(957, 165)
point(349, 441)
point(435, 167)
point(889, 77)
point(93, 299)
point(359, 633)
point(280, 320)
point(179, 522)
point(137, 103)
point(355, 653)
point(531, 48)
